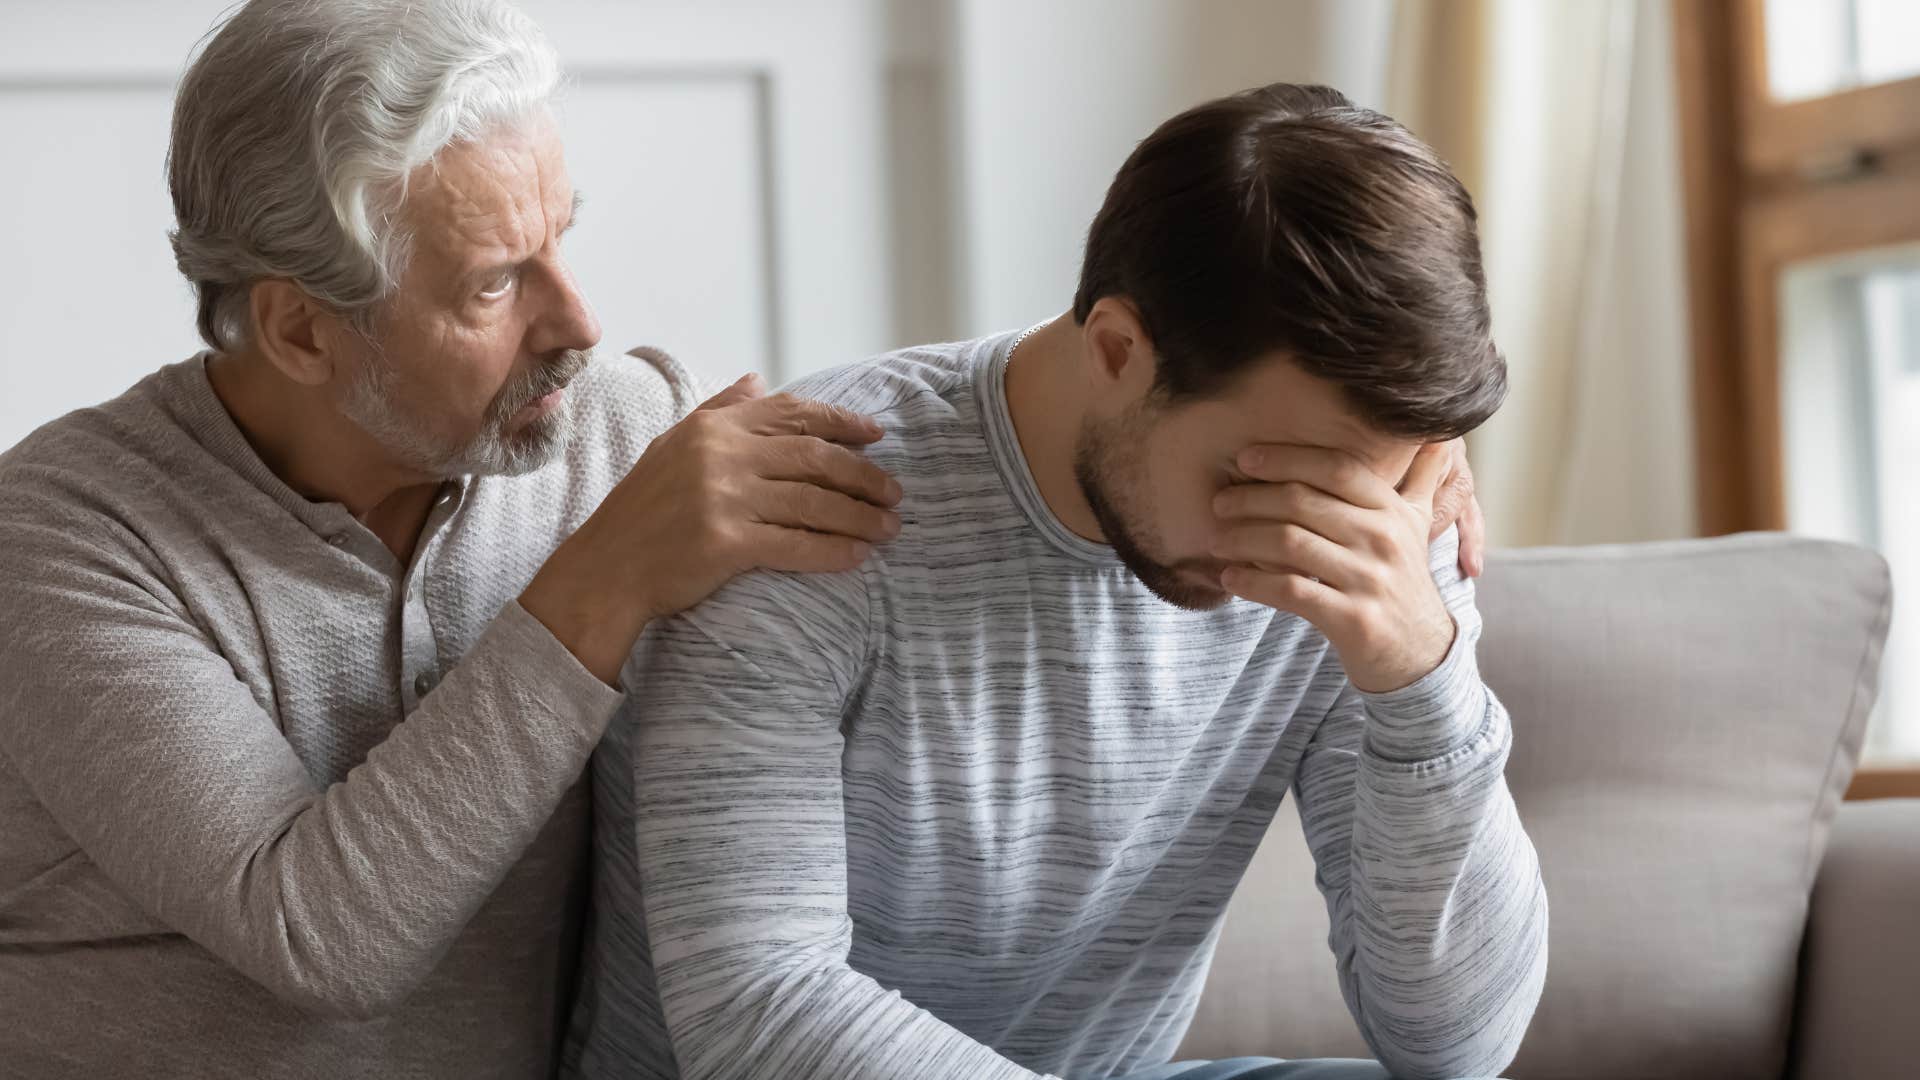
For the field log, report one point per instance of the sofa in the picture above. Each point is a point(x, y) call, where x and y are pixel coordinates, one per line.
point(1687, 716)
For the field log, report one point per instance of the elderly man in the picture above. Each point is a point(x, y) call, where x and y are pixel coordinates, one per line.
point(307, 639)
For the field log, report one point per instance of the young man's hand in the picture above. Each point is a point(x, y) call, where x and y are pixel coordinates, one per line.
point(1319, 535)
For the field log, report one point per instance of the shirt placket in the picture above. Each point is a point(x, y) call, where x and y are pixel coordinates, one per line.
point(419, 645)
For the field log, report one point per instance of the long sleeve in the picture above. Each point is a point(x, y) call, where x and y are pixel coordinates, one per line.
point(1437, 911)
point(136, 735)
point(743, 853)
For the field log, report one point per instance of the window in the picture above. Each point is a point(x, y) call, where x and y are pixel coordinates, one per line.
point(1820, 47)
point(1850, 396)
point(1800, 147)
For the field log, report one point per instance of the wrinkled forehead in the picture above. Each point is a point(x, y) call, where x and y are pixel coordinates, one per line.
point(501, 193)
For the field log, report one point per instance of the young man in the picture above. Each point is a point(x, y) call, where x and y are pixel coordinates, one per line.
point(975, 810)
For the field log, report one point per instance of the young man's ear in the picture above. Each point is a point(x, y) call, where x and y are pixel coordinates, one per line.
point(295, 332)
point(1119, 352)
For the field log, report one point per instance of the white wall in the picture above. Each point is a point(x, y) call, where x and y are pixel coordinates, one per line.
point(1050, 98)
point(89, 300)
point(786, 186)
point(731, 152)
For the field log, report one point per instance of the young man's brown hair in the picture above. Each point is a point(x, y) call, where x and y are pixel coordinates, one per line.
point(1287, 218)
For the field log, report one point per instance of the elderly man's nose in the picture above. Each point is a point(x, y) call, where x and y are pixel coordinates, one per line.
point(569, 321)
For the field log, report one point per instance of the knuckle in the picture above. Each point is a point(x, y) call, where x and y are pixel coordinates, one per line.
point(850, 472)
point(853, 552)
point(713, 505)
point(704, 429)
point(691, 425)
point(1381, 540)
point(836, 552)
point(813, 506)
point(823, 457)
point(712, 532)
point(1366, 628)
point(1366, 580)
point(1292, 588)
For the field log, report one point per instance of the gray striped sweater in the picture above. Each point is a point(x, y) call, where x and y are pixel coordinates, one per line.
point(975, 810)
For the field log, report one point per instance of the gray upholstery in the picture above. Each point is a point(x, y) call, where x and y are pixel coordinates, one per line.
point(1686, 717)
point(1860, 976)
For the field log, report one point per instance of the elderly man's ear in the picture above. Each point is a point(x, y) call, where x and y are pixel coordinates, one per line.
point(297, 334)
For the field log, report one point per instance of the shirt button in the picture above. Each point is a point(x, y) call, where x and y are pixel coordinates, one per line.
point(338, 539)
point(423, 684)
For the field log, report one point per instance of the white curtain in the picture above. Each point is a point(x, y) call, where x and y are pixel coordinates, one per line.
point(1559, 117)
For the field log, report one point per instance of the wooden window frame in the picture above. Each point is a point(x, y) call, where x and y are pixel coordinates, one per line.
point(1768, 184)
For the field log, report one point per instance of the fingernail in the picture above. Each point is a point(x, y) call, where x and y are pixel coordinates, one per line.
point(1252, 459)
point(891, 526)
point(894, 491)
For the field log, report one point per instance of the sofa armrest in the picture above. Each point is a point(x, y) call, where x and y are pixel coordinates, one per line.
point(1860, 971)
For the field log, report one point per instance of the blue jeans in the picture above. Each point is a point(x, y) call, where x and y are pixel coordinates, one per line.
point(1260, 1068)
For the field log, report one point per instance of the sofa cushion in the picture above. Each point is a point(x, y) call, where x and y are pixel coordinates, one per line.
point(1860, 972)
point(1687, 715)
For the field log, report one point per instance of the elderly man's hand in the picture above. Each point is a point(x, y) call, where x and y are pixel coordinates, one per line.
point(745, 482)
point(1457, 502)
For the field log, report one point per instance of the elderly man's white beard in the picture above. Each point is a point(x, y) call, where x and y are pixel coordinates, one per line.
point(372, 403)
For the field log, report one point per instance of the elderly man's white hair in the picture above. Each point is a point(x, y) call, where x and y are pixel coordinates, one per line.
point(295, 129)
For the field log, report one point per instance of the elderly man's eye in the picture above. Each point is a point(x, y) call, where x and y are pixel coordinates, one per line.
point(500, 285)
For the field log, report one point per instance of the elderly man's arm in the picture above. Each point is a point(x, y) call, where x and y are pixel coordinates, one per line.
point(1437, 911)
point(134, 732)
point(124, 717)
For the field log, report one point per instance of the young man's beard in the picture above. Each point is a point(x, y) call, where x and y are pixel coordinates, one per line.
point(1107, 463)
point(373, 403)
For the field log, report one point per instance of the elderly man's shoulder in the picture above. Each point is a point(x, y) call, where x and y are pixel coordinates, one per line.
point(636, 395)
point(94, 484)
point(128, 442)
